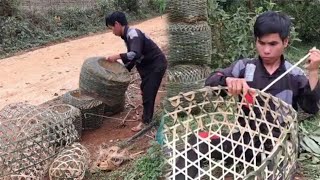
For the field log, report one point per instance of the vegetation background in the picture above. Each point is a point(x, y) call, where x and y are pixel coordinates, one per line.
point(231, 23)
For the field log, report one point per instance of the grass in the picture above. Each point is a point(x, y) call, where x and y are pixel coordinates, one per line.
point(310, 171)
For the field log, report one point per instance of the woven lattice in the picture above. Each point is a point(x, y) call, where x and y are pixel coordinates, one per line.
point(233, 139)
point(189, 43)
point(88, 106)
point(104, 81)
point(189, 11)
point(70, 112)
point(15, 110)
point(71, 163)
point(183, 78)
point(187, 73)
point(28, 143)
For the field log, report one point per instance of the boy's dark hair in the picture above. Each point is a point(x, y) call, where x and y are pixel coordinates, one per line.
point(272, 22)
point(120, 17)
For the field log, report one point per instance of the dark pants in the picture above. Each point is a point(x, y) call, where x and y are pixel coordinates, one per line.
point(151, 80)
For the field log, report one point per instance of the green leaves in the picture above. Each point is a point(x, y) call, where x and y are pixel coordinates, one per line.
point(232, 30)
point(313, 146)
point(159, 5)
point(306, 18)
point(310, 140)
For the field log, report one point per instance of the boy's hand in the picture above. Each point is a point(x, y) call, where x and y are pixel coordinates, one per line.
point(313, 67)
point(238, 86)
point(314, 60)
point(113, 58)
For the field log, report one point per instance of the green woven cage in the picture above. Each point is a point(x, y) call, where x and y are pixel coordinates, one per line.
point(188, 11)
point(104, 81)
point(184, 78)
point(234, 139)
point(89, 108)
point(189, 43)
point(28, 143)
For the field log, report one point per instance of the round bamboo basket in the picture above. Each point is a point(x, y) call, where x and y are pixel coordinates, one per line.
point(30, 142)
point(232, 139)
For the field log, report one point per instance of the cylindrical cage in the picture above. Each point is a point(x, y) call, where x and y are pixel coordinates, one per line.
point(237, 137)
point(189, 43)
point(29, 142)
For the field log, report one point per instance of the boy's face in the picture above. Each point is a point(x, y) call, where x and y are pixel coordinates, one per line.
point(117, 29)
point(270, 47)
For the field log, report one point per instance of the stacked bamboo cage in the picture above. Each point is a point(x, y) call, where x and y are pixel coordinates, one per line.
point(190, 45)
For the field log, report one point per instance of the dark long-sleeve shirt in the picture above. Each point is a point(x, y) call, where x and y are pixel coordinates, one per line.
point(142, 51)
point(294, 88)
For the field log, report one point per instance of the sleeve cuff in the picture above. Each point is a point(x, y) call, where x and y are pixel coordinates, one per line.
point(124, 58)
point(315, 92)
point(223, 81)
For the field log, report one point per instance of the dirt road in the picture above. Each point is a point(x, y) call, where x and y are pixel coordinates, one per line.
point(41, 75)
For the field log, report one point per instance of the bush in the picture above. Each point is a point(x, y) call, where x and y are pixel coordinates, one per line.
point(18, 34)
point(9, 7)
point(233, 31)
point(21, 30)
point(305, 13)
point(158, 5)
point(127, 5)
point(307, 20)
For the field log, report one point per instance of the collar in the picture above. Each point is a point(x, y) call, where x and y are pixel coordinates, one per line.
point(124, 36)
point(280, 69)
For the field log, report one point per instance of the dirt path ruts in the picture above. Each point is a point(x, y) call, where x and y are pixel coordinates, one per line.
point(41, 75)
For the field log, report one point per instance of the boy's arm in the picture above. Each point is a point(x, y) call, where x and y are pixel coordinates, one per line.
point(219, 77)
point(309, 99)
point(135, 46)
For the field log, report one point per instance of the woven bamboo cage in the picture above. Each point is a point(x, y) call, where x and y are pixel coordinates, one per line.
point(233, 139)
point(28, 143)
point(104, 81)
point(68, 112)
point(15, 110)
point(188, 11)
point(88, 106)
point(184, 78)
point(71, 163)
point(189, 43)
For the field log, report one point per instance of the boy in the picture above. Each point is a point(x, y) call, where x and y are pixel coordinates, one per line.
point(143, 53)
point(271, 31)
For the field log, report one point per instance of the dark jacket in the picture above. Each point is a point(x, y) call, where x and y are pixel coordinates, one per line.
point(142, 51)
point(293, 88)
